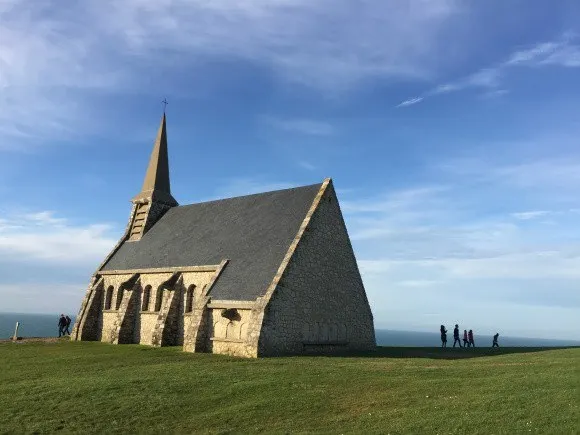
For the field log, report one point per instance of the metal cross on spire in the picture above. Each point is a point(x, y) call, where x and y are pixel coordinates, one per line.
point(165, 103)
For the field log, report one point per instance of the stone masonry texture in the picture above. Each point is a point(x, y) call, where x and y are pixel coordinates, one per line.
point(320, 304)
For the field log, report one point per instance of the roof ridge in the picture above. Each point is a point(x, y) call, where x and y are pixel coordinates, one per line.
point(251, 195)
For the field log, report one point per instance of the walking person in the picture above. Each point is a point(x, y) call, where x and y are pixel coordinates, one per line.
point(456, 336)
point(470, 338)
point(495, 340)
point(67, 325)
point(61, 325)
point(465, 340)
point(443, 336)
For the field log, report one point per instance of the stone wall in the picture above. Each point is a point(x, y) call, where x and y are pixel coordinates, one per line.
point(319, 304)
point(165, 332)
point(116, 315)
point(108, 326)
point(112, 302)
point(128, 312)
point(199, 282)
point(197, 324)
point(229, 331)
point(88, 327)
point(147, 322)
point(149, 315)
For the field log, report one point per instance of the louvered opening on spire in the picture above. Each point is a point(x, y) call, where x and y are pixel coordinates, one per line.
point(155, 197)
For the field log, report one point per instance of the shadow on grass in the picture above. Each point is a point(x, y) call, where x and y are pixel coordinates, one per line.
point(447, 353)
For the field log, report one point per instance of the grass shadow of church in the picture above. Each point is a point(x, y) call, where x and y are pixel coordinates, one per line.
point(446, 353)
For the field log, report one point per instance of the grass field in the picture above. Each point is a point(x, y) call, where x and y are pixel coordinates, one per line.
point(93, 387)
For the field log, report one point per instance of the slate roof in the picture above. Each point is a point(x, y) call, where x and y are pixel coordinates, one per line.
point(254, 232)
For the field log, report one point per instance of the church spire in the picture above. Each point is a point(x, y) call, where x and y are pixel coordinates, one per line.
point(156, 186)
point(155, 197)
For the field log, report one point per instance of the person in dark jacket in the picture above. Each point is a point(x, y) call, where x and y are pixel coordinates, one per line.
point(456, 338)
point(61, 325)
point(495, 340)
point(465, 340)
point(470, 337)
point(67, 325)
point(443, 336)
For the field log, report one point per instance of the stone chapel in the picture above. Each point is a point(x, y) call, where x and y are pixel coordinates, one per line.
point(258, 275)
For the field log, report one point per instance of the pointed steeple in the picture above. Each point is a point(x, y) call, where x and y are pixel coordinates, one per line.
point(156, 186)
point(155, 197)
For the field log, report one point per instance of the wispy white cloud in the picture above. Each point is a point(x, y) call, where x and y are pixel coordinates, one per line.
point(42, 237)
point(416, 283)
point(533, 54)
point(558, 174)
point(564, 53)
point(306, 165)
point(567, 57)
point(546, 173)
point(45, 219)
point(31, 297)
point(401, 201)
point(410, 102)
point(527, 215)
point(495, 93)
point(525, 266)
point(53, 59)
point(46, 260)
point(309, 127)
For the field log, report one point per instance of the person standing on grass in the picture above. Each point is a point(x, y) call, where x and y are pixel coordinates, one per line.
point(470, 337)
point(67, 325)
point(443, 336)
point(465, 340)
point(61, 325)
point(495, 340)
point(456, 336)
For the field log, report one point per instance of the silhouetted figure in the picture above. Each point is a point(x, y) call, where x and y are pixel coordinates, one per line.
point(465, 340)
point(495, 340)
point(456, 338)
point(470, 338)
point(443, 336)
point(67, 325)
point(61, 325)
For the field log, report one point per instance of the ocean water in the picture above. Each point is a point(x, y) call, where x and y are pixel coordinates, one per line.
point(46, 325)
point(386, 337)
point(31, 325)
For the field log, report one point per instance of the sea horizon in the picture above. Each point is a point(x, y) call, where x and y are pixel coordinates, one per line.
point(45, 325)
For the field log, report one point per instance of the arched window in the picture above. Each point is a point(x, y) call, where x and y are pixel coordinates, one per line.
point(109, 297)
point(146, 298)
point(189, 298)
point(120, 293)
point(158, 298)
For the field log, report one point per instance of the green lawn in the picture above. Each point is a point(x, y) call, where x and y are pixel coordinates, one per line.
point(94, 387)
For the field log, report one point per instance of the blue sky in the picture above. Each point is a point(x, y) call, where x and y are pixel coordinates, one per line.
point(451, 130)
